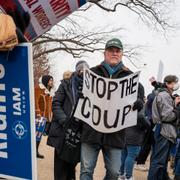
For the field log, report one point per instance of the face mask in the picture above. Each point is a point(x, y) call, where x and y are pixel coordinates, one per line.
point(176, 87)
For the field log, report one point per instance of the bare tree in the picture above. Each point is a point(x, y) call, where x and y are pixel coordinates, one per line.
point(156, 13)
point(74, 40)
point(41, 64)
point(77, 41)
point(76, 44)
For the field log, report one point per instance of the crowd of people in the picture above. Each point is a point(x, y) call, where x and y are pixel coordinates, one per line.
point(155, 134)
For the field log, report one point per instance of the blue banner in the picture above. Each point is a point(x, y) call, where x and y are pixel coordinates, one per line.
point(17, 126)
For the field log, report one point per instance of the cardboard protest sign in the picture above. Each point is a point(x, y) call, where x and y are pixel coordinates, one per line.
point(17, 116)
point(107, 103)
point(44, 13)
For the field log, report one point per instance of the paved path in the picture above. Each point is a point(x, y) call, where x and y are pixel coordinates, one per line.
point(45, 166)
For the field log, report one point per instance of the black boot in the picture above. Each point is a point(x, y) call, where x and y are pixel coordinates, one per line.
point(37, 154)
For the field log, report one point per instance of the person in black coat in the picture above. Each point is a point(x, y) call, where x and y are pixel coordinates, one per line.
point(149, 136)
point(63, 105)
point(135, 137)
point(93, 141)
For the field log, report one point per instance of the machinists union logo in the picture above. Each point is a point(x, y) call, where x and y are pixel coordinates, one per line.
point(19, 130)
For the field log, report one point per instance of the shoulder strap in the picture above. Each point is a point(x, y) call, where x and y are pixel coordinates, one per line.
point(158, 108)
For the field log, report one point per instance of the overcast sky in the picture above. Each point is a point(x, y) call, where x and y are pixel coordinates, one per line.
point(156, 46)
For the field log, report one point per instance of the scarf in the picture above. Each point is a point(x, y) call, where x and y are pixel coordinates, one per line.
point(113, 69)
point(77, 82)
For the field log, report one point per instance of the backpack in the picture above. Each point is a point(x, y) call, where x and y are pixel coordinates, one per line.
point(8, 36)
point(142, 121)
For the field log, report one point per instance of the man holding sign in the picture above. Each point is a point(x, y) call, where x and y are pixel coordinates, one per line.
point(104, 120)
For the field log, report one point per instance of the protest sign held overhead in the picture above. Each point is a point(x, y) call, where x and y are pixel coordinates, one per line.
point(107, 103)
point(43, 13)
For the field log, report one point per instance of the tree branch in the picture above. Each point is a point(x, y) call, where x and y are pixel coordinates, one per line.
point(147, 10)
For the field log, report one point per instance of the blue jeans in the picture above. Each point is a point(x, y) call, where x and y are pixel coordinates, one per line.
point(177, 160)
point(159, 157)
point(89, 155)
point(173, 150)
point(128, 157)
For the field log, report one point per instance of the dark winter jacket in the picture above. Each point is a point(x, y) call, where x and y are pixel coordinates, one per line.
point(62, 107)
point(135, 135)
point(148, 107)
point(91, 136)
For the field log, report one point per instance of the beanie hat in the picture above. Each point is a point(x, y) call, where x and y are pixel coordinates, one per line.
point(170, 79)
point(80, 65)
point(45, 79)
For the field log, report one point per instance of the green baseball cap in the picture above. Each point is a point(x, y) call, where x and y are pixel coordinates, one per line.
point(114, 43)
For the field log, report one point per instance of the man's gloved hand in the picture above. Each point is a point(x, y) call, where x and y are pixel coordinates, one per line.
point(138, 105)
point(80, 93)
